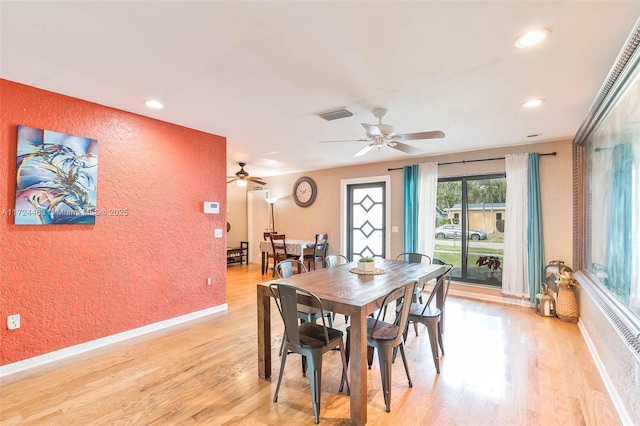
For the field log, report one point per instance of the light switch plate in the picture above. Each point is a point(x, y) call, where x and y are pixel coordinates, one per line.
point(13, 321)
point(217, 233)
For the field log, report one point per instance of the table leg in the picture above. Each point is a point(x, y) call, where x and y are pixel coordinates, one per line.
point(358, 368)
point(264, 334)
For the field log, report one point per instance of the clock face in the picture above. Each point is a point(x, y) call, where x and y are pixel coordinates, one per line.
point(304, 191)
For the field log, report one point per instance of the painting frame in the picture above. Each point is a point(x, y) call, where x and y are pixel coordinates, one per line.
point(56, 178)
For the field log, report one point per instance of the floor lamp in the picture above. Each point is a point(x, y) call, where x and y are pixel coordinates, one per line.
point(271, 202)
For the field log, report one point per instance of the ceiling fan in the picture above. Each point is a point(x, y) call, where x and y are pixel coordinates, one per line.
point(242, 177)
point(379, 135)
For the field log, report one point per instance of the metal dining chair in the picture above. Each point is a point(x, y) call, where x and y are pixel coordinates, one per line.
point(306, 313)
point(335, 259)
point(386, 337)
point(413, 257)
point(308, 339)
point(431, 316)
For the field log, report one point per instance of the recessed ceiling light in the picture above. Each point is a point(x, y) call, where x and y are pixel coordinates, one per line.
point(532, 37)
point(154, 104)
point(533, 103)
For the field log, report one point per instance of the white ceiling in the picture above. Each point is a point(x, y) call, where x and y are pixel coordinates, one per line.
point(258, 72)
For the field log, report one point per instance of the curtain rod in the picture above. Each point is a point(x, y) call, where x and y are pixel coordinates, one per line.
point(475, 161)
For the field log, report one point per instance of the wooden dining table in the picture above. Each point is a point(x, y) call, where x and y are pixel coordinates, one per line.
point(295, 247)
point(355, 295)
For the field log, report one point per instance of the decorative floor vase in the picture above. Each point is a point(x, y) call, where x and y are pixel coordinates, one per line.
point(567, 305)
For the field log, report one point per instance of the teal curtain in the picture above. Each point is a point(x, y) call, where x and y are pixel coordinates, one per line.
point(619, 248)
point(535, 239)
point(411, 175)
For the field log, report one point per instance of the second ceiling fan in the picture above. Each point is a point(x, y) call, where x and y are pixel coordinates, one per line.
point(242, 177)
point(379, 135)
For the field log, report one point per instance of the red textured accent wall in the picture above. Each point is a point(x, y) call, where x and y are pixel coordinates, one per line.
point(76, 283)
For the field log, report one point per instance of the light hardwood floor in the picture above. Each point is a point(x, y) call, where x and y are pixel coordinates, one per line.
point(504, 365)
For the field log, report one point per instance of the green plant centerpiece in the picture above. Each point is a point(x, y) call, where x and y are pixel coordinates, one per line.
point(491, 262)
point(367, 264)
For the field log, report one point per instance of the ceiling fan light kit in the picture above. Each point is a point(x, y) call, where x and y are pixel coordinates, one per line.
point(382, 134)
point(242, 177)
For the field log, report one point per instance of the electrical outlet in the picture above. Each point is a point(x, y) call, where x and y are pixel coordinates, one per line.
point(208, 281)
point(13, 321)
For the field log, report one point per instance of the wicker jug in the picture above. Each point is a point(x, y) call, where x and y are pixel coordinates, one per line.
point(567, 305)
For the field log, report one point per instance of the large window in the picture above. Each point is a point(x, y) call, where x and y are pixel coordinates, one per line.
point(470, 229)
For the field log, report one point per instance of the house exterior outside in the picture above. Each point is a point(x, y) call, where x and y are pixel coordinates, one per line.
point(486, 217)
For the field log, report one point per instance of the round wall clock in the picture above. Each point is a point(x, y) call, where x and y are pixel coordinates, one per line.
point(304, 191)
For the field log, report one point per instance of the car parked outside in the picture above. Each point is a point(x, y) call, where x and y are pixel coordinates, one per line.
point(455, 231)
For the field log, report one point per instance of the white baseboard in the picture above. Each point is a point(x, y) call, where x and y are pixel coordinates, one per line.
point(490, 298)
point(47, 358)
point(613, 394)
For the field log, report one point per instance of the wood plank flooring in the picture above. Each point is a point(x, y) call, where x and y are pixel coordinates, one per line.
point(504, 365)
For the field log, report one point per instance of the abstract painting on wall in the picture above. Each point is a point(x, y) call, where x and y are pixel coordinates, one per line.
point(56, 178)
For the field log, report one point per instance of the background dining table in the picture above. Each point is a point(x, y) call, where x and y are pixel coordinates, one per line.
point(344, 292)
point(295, 247)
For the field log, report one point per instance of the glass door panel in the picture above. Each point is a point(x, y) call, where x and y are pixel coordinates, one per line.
point(448, 245)
point(366, 220)
point(470, 232)
point(485, 209)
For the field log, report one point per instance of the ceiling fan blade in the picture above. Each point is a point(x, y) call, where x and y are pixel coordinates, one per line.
point(347, 140)
point(421, 135)
point(256, 180)
point(232, 180)
point(364, 150)
point(372, 130)
point(411, 150)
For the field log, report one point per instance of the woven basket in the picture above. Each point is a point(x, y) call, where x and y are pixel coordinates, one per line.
point(567, 305)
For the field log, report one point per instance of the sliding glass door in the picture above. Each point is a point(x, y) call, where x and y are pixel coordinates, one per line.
point(470, 231)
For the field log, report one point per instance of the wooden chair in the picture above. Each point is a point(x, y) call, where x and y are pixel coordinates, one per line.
point(431, 316)
point(266, 256)
point(386, 337)
point(279, 250)
point(335, 259)
point(308, 339)
point(317, 253)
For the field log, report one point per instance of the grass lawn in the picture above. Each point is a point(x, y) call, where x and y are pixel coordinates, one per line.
point(452, 254)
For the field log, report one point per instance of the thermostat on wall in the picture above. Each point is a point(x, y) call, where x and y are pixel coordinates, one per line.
point(211, 207)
